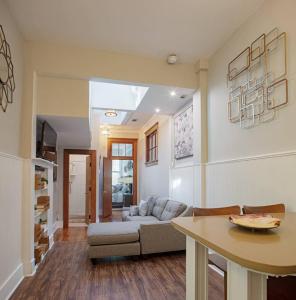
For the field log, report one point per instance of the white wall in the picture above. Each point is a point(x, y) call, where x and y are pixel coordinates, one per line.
point(185, 172)
point(11, 166)
point(270, 177)
point(155, 179)
point(177, 179)
point(77, 185)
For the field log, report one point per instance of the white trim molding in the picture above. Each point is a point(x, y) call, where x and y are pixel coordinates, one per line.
point(11, 283)
point(255, 157)
point(10, 156)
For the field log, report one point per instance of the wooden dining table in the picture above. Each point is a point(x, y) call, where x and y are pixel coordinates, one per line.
point(251, 255)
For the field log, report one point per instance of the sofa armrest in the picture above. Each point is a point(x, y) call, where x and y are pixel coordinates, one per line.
point(161, 237)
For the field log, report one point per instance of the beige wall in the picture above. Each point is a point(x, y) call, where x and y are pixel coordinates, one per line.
point(62, 97)
point(10, 121)
point(266, 171)
point(11, 168)
point(83, 63)
point(227, 140)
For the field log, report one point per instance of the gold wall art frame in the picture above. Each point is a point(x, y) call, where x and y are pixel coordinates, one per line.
point(7, 83)
point(257, 80)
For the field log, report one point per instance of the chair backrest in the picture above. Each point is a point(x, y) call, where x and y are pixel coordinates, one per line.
point(217, 211)
point(275, 208)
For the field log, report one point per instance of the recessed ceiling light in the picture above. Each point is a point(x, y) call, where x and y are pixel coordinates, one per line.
point(173, 93)
point(157, 110)
point(111, 113)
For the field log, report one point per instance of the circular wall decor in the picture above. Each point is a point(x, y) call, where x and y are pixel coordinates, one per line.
point(7, 84)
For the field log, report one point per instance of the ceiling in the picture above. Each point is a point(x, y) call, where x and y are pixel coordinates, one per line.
point(156, 97)
point(72, 132)
point(192, 29)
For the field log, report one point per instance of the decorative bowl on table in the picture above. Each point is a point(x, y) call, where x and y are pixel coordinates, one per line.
point(256, 221)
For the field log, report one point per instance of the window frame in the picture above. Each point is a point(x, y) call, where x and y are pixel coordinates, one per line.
point(151, 145)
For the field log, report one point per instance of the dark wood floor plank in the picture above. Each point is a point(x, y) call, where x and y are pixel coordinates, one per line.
point(67, 273)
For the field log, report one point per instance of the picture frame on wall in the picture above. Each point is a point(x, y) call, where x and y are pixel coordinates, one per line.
point(183, 133)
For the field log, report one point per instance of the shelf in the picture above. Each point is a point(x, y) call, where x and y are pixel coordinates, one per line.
point(39, 213)
point(40, 190)
point(43, 162)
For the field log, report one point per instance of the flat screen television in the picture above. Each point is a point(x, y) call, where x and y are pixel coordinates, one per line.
point(46, 143)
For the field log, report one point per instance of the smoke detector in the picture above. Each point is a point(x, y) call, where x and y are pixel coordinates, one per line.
point(172, 59)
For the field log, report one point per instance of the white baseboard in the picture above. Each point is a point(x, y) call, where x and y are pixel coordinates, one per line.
point(11, 283)
point(55, 227)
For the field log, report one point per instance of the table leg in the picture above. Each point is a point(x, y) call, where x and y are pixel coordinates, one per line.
point(196, 270)
point(244, 284)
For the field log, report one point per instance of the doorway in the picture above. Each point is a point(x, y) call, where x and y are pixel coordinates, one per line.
point(79, 186)
point(120, 175)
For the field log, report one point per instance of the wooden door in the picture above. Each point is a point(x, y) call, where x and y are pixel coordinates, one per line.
point(112, 155)
point(88, 191)
point(107, 188)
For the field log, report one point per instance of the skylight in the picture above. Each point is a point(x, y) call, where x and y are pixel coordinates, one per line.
point(116, 96)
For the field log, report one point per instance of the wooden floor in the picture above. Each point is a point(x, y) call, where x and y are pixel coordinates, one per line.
point(67, 273)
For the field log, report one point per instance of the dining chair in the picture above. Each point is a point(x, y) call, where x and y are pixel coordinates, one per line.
point(277, 287)
point(274, 208)
point(214, 258)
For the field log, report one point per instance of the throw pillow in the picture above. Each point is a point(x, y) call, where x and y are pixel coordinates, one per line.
point(143, 208)
point(134, 210)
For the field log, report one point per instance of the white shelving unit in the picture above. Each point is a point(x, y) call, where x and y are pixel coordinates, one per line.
point(43, 169)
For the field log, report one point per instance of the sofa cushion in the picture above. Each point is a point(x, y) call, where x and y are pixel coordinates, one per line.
point(159, 206)
point(112, 233)
point(172, 210)
point(151, 201)
point(141, 219)
point(143, 208)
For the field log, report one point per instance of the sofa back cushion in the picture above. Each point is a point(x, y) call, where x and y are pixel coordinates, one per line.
point(172, 210)
point(159, 206)
point(151, 201)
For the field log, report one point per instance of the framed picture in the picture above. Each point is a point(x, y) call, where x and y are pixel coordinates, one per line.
point(183, 133)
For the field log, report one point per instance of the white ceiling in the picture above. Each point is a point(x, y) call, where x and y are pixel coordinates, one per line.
point(192, 29)
point(157, 97)
point(72, 132)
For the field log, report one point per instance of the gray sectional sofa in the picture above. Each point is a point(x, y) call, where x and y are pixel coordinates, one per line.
point(140, 234)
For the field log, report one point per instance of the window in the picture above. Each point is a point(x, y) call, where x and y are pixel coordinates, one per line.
point(152, 145)
point(119, 149)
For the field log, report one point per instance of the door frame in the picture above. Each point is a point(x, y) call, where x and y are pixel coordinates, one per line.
point(134, 157)
point(66, 181)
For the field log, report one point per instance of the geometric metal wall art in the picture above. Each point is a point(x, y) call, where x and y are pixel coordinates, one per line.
point(257, 81)
point(7, 84)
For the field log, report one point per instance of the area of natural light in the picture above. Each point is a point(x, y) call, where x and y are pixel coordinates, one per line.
point(115, 96)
